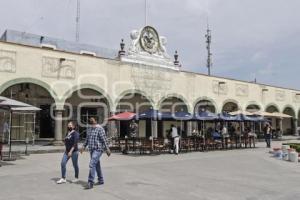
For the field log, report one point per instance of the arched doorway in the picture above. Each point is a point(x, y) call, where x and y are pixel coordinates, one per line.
point(230, 107)
point(272, 109)
point(253, 108)
point(204, 105)
point(288, 124)
point(275, 122)
point(172, 105)
point(83, 104)
point(137, 103)
point(38, 96)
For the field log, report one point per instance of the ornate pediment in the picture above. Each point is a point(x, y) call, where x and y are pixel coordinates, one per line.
point(148, 48)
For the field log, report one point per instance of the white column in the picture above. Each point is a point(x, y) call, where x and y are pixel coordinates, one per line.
point(111, 127)
point(296, 127)
point(280, 127)
point(189, 128)
point(58, 127)
point(154, 128)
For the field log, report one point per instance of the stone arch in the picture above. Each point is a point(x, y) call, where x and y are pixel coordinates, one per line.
point(173, 95)
point(253, 105)
point(289, 109)
point(86, 86)
point(289, 125)
point(40, 83)
point(133, 91)
point(232, 101)
point(37, 93)
point(206, 99)
point(273, 106)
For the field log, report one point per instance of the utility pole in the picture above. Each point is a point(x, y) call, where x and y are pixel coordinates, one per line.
point(209, 54)
point(78, 21)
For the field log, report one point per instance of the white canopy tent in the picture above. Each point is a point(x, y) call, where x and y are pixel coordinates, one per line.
point(13, 106)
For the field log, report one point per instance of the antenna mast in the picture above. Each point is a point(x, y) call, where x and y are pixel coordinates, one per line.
point(209, 54)
point(145, 12)
point(77, 20)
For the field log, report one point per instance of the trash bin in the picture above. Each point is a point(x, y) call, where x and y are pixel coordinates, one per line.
point(293, 156)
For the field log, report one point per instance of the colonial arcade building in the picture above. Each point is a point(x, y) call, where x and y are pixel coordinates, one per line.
point(71, 81)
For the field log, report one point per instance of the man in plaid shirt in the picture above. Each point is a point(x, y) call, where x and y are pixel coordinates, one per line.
point(96, 142)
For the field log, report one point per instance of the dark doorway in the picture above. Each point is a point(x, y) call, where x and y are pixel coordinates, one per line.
point(148, 128)
point(46, 122)
point(160, 129)
point(124, 128)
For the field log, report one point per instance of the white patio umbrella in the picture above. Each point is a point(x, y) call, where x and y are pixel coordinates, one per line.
point(240, 112)
point(12, 105)
point(274, 114)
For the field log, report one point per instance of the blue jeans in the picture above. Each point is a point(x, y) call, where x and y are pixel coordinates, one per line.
point(95, 166)
point(268, 140)
point(64, 162)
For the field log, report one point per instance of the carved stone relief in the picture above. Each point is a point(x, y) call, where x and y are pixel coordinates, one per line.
point(241, 90)
point(54, 68)
point(7, 61)
point(279, 95)
point(151, 80)
point(148, 48)
point(219, 87)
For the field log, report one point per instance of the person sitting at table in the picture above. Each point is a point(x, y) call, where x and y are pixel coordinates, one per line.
point(216, 135)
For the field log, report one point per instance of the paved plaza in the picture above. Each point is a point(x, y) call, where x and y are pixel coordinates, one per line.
point(234, 174)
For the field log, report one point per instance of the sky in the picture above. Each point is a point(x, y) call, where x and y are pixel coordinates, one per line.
point(251, 39)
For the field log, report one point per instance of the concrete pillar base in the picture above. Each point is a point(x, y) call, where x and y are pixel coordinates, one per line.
point(57, 143)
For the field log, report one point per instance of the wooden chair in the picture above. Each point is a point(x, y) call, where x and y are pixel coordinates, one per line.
point(184, 144)
point(146, 146)
point(158, 145)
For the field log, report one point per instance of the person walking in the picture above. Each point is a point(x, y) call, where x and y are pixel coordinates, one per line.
point(71, 151)
point(133, 129)
point(175, 137)
point(267, 133)
point(133, 133)
point(96, 142)
point(225, 136)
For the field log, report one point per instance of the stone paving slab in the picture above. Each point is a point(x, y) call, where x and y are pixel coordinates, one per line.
point(247, 174)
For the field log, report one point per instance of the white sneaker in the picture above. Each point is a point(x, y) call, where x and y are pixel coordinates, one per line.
point(75, 180)
point(62, 180)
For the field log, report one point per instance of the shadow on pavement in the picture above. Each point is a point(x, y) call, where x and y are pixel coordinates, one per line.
point(80, 182)
point(3, 163)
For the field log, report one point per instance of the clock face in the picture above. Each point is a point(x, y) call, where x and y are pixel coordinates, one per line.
point(149, 40)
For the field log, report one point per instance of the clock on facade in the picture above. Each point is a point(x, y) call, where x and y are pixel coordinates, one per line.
point(149, 40)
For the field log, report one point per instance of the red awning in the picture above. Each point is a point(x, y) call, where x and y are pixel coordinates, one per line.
point(123, 116)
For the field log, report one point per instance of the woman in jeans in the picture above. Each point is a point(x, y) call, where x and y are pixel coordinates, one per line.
point(71, 144)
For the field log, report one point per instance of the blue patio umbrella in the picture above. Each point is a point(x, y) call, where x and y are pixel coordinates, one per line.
point(180, 116)
point(224, 116)
point(254, 118)
point(205, 116)
point(149, 114)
